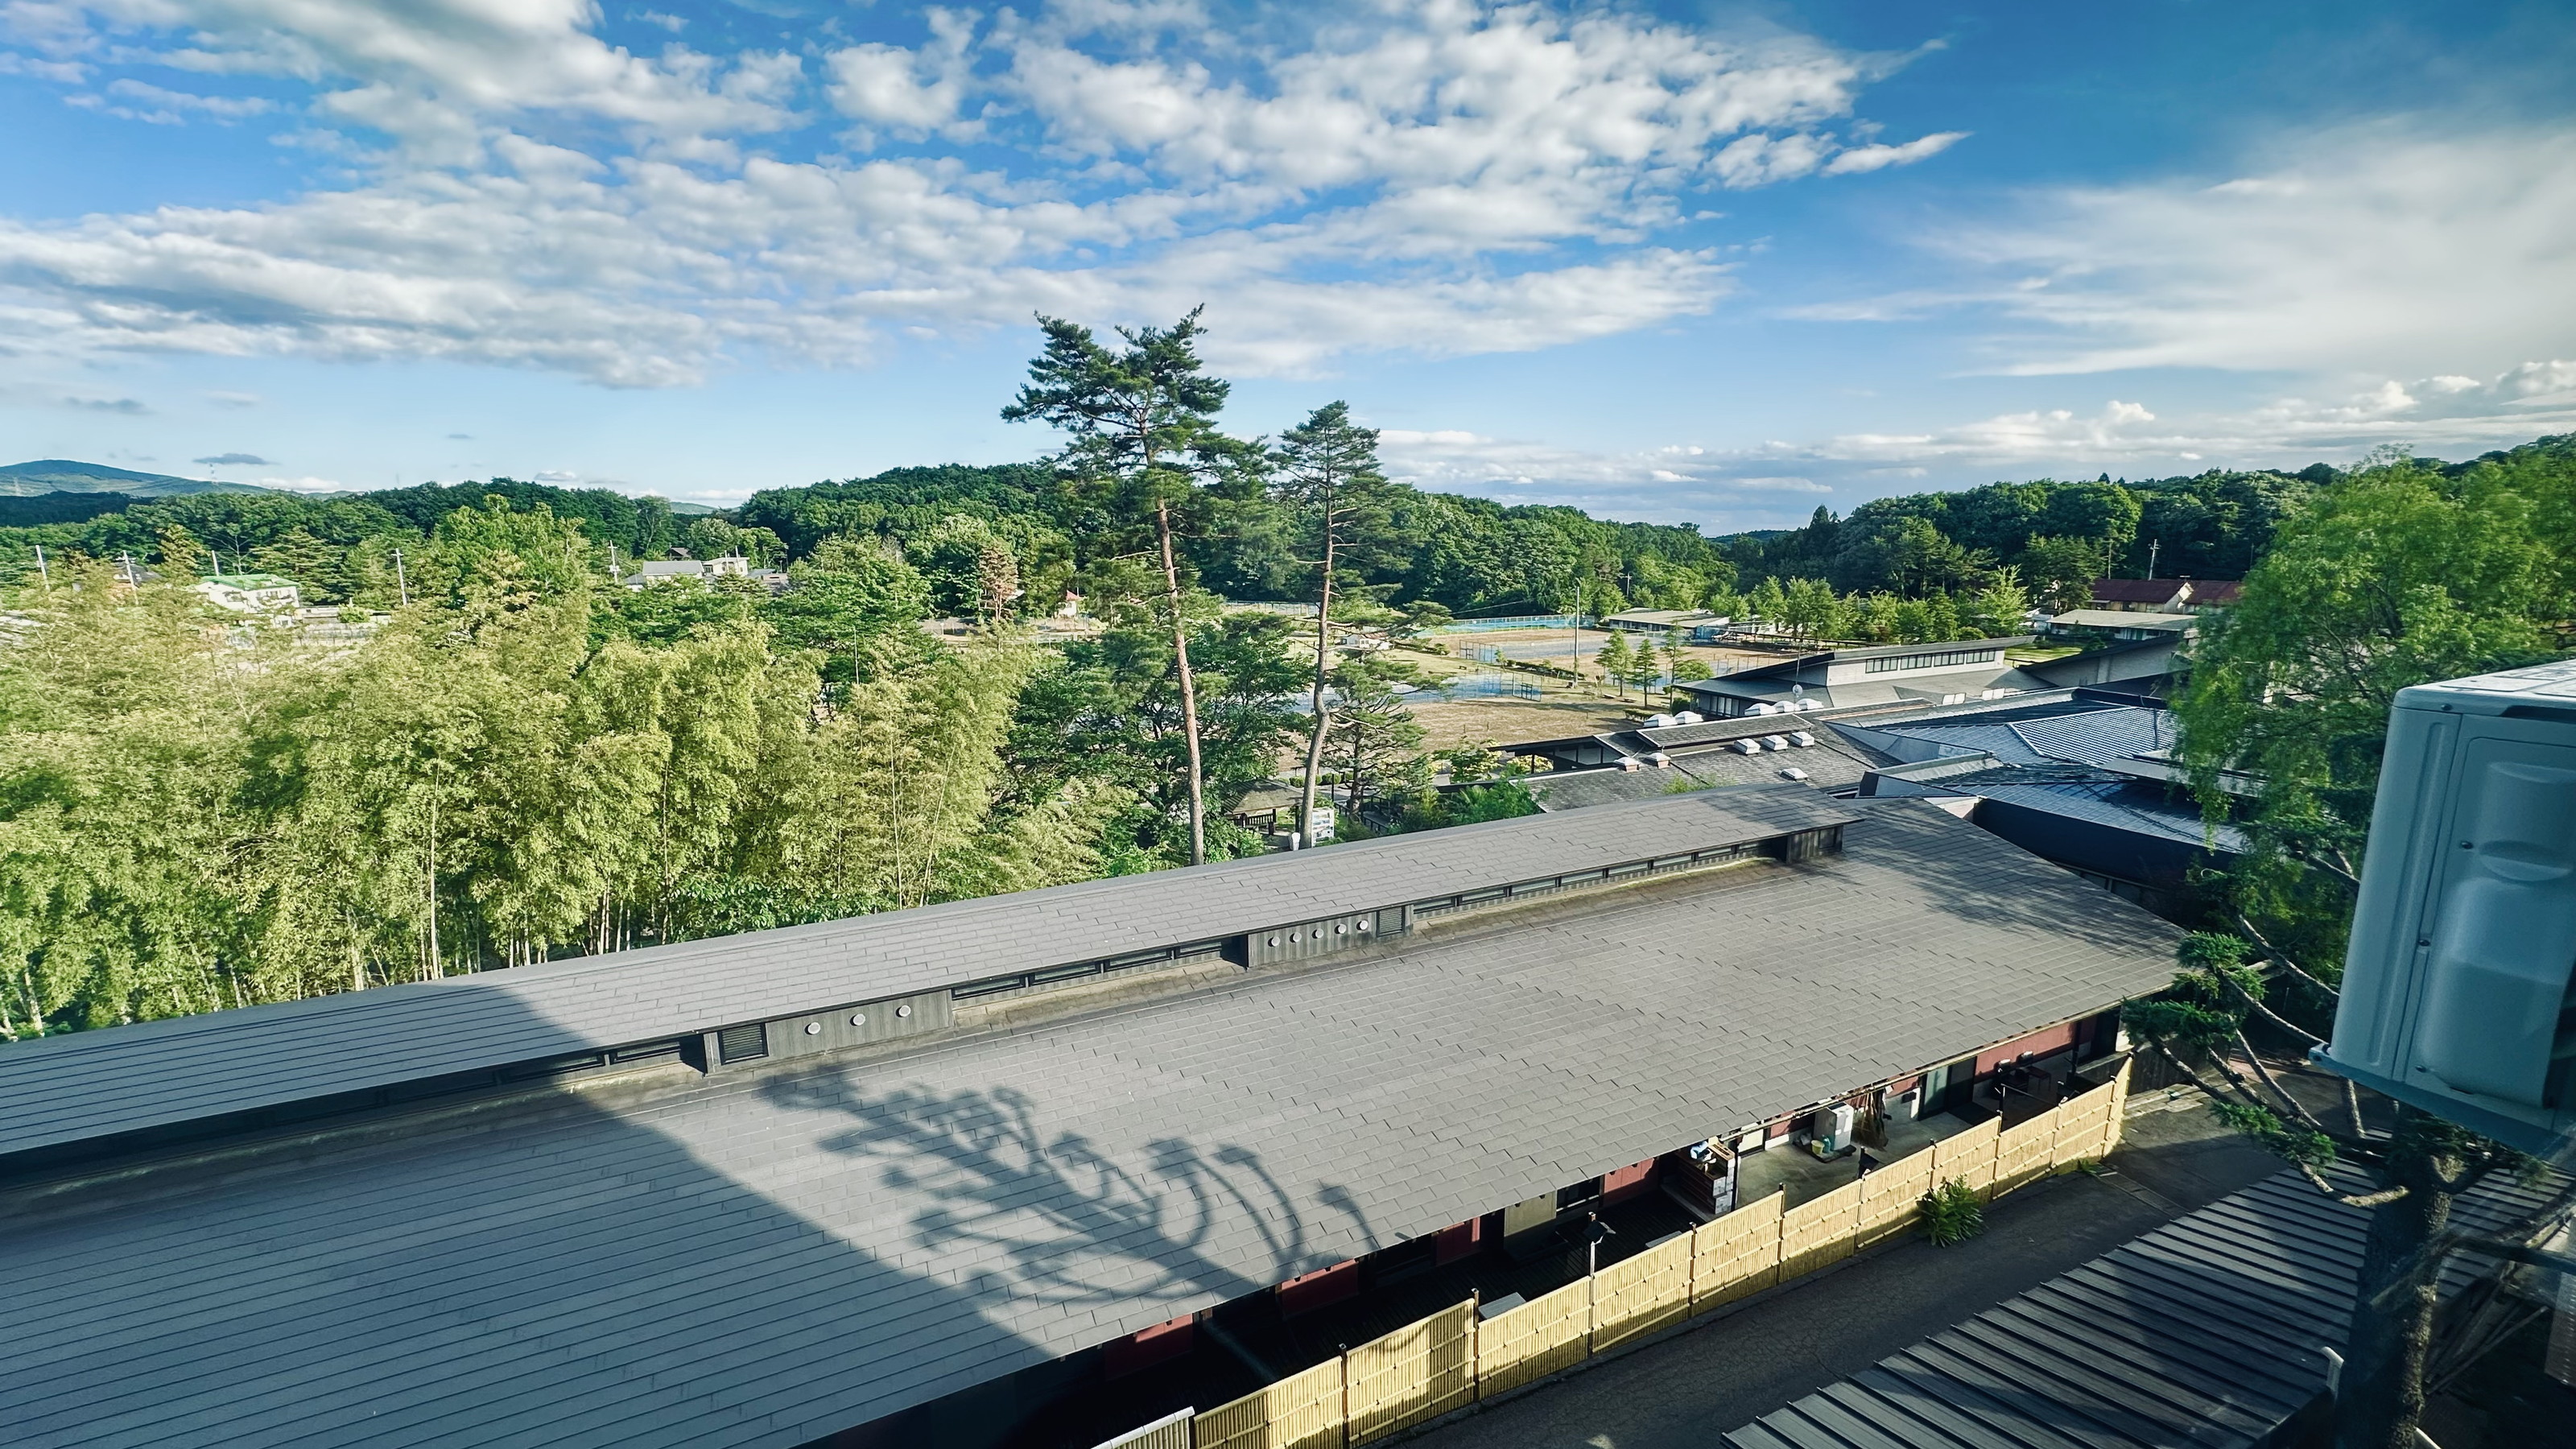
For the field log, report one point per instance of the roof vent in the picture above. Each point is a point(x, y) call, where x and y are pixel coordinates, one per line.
point(743, 1043)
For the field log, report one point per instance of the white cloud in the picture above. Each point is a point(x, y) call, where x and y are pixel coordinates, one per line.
point(1875, 158)
point(1439, 179)
point(2374, 250)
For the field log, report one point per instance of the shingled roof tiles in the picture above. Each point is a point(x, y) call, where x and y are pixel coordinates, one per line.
point(757, 1260)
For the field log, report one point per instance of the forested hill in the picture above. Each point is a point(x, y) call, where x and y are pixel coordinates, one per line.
point(2059, 535)
point(1470, 555)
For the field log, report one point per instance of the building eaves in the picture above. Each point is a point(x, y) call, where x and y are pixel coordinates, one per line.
point(98, 1084)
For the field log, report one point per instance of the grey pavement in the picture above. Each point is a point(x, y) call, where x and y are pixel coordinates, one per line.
point(1689, 1389)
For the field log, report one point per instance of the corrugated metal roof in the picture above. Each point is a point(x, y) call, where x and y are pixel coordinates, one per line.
point(2205, 1332)
point(758, 1260)
point(92, 1084)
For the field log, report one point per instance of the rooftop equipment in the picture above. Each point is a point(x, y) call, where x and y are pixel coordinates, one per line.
point(1802, 739)
point(2464, 937)
point(1745, 747)
point(1775, 742)
point(1792, 772)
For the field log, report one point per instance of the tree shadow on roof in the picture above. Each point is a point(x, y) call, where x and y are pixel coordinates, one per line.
point(1061, 1219)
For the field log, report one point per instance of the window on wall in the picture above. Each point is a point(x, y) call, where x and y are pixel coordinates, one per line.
point(1939, 659)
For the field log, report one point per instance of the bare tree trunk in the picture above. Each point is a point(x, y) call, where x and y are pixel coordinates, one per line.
point(430, 969)
point(1189, 687)
point(1315, 737)
point(2381, 1395)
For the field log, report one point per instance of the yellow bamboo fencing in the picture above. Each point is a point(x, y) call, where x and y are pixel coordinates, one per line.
point(1642, 1294)
point(1302, 1411)
point(1418, 1372)
point(1440, 1363)
point(1530, 1342)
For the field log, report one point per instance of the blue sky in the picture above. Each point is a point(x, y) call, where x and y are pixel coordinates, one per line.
point(1707, 263)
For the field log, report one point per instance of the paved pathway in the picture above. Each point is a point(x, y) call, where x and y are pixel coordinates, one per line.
point(1688, 1390)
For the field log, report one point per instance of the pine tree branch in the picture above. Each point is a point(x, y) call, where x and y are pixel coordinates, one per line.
point(2274, 1017)
point(2265, 1073)
point(2281, 956)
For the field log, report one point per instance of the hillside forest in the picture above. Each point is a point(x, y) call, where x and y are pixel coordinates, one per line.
point(502, 755)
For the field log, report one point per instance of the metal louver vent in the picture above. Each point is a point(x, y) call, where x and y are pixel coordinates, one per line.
point(743, 1043)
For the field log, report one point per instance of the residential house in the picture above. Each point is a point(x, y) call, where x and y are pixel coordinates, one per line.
point(904, 1180)
point(250, 593)
point(2164, 596)
point(672, 570)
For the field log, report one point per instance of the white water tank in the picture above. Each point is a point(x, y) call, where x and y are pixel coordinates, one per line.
point(2464, 936)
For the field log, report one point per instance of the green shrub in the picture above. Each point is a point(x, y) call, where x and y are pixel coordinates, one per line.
point(1952, 1213)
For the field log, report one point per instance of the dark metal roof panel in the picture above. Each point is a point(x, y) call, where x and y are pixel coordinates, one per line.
point(2204, 1332)
point(89, 1084)
point(764, 1258)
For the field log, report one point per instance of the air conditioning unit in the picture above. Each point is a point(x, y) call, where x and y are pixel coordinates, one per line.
point(1829, 1132)
point(2464, 938)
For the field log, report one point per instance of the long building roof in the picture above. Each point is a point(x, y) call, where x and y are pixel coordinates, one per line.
point(98, 1084)
point(764, 1257)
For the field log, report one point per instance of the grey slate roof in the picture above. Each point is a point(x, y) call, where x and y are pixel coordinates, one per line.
point(2204, 1332)
point(757, 1260)
point(89, 1084)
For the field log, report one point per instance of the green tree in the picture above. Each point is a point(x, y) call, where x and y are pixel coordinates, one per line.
point(1326, 470)
point(848, 595)
point(1141, 424)
point(2396, 575)
point(1615, 661)
point(2061, 572)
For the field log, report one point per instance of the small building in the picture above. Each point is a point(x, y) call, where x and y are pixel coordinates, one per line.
point(1946, 673)
point(250, 593)
point(1656, 621)
point(2164, 596)
point(673, 570)
point(2124, 626)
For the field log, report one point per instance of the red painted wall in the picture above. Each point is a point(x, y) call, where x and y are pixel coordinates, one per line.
point(1458, 1241)
point(1320, 1289)
point(1147, 1347)
point(2038, 1044)
point(1627, 1182)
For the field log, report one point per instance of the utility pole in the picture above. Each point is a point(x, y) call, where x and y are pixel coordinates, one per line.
point(1576, 672)
point(400, 581)
point(2153, 545)
point(132, 579)
point(43, 572)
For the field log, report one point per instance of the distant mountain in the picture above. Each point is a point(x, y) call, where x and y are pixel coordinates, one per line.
point(62, 475)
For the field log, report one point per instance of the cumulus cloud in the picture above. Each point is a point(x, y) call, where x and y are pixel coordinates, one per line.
point(2375, 249)
point(236, 460)
point(1453, 178)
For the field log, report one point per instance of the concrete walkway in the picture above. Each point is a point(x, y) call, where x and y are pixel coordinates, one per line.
point(1689, 1389)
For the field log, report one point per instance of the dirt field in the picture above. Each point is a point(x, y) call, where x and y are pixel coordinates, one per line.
point(1556, 646)
point(1448, 724)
